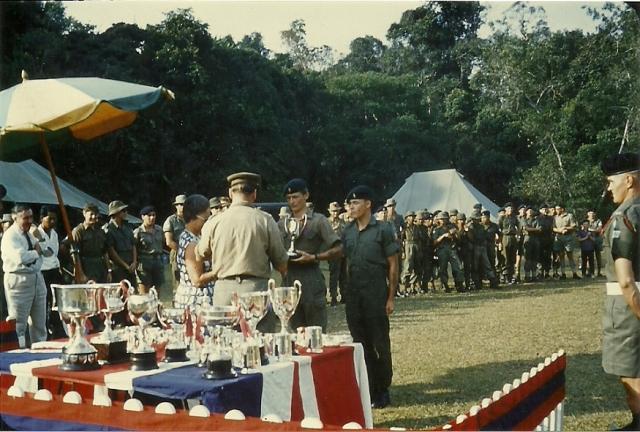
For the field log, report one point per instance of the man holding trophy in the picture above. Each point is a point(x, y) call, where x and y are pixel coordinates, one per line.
point(310, 239)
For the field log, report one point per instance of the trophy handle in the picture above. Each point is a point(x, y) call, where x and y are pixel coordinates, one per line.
point(153, 292)
point(271, 284)
point(125, 288)
point(297, 285)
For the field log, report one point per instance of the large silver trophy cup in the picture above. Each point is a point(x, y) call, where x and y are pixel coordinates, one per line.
point(77, 303)
point(294, 228)
point(254, 306)
point(111, 347)
point(219, 355)
point(176, 349)
point(284, 301)
point(143, 310)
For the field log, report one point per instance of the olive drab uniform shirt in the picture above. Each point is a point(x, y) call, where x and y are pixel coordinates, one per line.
point(92, 247)
point(316, 237)
point(242, 241)
point(367, 266)
point(149, 243)
point(622, 238)
point(121, 239)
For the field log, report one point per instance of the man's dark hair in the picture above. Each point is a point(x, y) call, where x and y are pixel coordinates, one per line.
point(194, 205)
point(45, 210)
point(244, 188)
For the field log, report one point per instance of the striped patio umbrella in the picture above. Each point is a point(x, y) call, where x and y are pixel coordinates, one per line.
point(36, 112)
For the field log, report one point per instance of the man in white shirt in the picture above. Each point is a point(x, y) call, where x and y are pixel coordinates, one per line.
point(23, 283)
point(49, 243)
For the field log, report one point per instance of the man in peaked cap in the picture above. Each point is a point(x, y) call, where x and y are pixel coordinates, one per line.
point(621, 322)
point(121, 243)
point(242, 243)
point(337, 266)
point(371, 250)
point(172, 228)
point(315, 242)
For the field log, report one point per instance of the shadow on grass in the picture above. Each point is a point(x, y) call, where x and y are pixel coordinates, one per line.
point(588, 391)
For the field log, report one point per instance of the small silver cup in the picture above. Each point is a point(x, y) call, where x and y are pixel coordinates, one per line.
point(313, 336)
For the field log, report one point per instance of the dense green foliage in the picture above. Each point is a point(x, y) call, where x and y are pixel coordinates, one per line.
point(525, 114)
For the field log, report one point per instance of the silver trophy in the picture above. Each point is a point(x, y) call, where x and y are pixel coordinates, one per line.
point(143, 311)
point(111, 347)
point(77, 303)
point(219, 357)
point(255, 306)
point(175, 319)
point(294, 228)
point(284, 301)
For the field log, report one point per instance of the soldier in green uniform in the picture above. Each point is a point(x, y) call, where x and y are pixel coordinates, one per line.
point(337, 270)
point(149, 243)
point(520, 238)
point(426, 251)
point(464, 249)
point(91, 246)
point(443, 236)
point(595, 228)
point(317, 242)
point(509, 229)
point(479, 238)
point(410, 239)
point(564, 226)
point(493, 238)
point(621, 320)
point(172, 228)
point(531, 232)
point(546, 241)
point(393, 217)
point(120, 243)
point(372, 251)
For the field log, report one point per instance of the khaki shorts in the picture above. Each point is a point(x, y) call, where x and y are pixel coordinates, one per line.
point(564, 242)
point(621, 338)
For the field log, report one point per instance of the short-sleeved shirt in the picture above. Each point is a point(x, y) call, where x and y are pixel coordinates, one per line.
point(120, 238)
point(508, 225)
point(622, 238)
point(317, 236)
point(91, 242)
point(174, 225)
point(149, 243)
point(367, 252)
point(242, 241)
point(440, 230)
point(565, 220)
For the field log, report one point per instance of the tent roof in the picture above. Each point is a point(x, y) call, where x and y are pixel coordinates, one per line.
point(28, 182)
point(440, 190)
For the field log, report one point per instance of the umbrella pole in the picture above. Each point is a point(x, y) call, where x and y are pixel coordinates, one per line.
point(63, 210)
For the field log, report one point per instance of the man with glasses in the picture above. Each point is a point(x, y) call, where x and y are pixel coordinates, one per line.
point(372, 252)
point(172, 228)
point(120, 243)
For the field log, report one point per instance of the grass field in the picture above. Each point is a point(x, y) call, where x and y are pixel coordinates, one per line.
point(452, 350)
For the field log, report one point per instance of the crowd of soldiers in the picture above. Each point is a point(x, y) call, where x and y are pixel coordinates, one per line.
point(533, 244)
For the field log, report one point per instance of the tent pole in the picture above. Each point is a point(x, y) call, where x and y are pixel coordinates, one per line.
point(63, 210)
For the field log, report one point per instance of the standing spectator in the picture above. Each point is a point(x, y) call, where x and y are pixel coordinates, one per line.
point(196, 277)
point(91, 243)
point(51, 271)
point(464, 247)
point(337, 271)
point(587, 249)
point(595, 228)
point(121, 244)
point(410, 240)
point(546, 240)
point(493, 239)
point(564, 225)
point(372, 261)
point(172, 228)
point(215, 206)
point(509, 228)
point(149, 245)
point(443, 236)
point(621, 321)
point(531, 243)
point(23, 282)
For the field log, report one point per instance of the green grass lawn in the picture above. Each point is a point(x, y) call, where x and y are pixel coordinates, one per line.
point(452, 350)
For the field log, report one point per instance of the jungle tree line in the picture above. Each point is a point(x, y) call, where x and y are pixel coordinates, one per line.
point(525, 113)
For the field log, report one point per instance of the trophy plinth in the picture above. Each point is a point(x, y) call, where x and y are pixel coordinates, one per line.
point(219, 367)
point(77, 302)
point(175, 355)
point(143, 310)
point(176, 349)
point(111, 352)
point(143, 361)
point(111, 347)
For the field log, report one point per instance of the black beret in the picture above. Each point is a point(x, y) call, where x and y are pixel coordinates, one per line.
point(147, 210)
point(3, 191)
point(486, 213)
point(360, 192)
point(507, 205)
point(620, 163)
point(522, 206)
point(295, 185)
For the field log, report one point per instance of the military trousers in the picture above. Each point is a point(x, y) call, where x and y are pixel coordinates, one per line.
point(482, 267)
point(337, 277)
point(466, 258)
point(531, 246)
point(545, 253)
point(446, 256)
point(509, 250)
point(372, 331)
point(26, 295)
point(427, 269)
point(410, 264)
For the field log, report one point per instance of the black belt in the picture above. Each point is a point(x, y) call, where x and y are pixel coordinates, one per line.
point(240, 278)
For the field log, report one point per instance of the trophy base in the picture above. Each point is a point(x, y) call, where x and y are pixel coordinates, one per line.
point(293, 255)
point(219, 369)
point(79, 361)
point(143, 361)
point(112, 352)
point(175, 355)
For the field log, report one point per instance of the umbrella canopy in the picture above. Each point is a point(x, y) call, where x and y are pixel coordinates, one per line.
point(83, 108)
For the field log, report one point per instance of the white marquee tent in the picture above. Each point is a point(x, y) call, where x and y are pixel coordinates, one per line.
point(440, 190)
point(28, 182)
